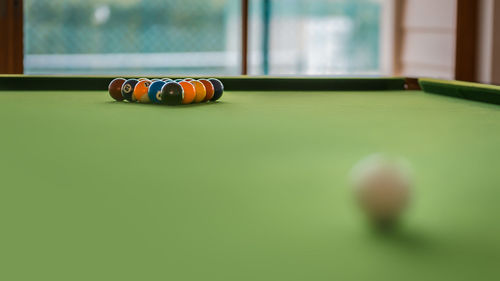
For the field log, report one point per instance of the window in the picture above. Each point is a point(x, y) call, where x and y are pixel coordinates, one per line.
point(318, 37)
point(162, 37)
point(131, 36)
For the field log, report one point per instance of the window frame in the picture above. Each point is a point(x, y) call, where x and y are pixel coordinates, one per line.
point(12, 51)
point(11, 26)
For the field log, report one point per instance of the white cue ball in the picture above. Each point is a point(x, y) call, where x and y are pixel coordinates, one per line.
point(382, 187)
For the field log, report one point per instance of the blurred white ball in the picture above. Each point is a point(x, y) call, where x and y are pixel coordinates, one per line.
point(382, 186)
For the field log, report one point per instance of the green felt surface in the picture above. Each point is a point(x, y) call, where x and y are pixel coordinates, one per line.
point(250, 188)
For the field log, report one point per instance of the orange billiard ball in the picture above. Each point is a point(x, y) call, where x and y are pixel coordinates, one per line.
point(115, 89)
point(189, 92)
point(201, 92)
point(141, 91)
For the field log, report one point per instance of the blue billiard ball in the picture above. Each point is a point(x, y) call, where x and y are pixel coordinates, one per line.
point(154, 92)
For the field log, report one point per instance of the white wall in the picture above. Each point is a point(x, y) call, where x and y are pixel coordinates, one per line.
point(428, 38)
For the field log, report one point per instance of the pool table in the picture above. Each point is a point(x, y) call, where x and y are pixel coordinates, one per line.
point(252, 187)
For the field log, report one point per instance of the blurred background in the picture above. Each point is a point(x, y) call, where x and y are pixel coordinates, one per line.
point(450, 39)
point(201, 36)
point(132, 36)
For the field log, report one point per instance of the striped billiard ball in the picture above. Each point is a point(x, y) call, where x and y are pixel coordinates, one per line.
point(141, 91)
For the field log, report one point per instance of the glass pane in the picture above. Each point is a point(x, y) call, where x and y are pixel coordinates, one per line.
point(315, 37)
point(156, 37)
